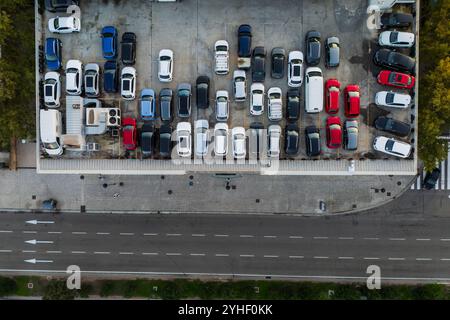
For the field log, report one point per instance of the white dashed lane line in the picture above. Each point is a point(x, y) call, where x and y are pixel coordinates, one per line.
point(102, 252)
point(6, 231)
point(126, 234)
point(246, 236)
point(346, 238)
point(28, 251)
point(320, 257)
point(247, 255)
point(197, 254)
point(320, 238)
point(198, 235)
point(221, 235)
point(396, 259)
point(52, 251)
point(126, 253)
point(54, 232)
point(150, 234)
point(79, 232)
point(222, 255)
point(296, 257)
point(423, 239)
point(345, 258)
point(103, 233)
point(150, 253)
point(29, 232)
point(295, 237)
point(371, 238)
point(173, 254)
point(78, 252)
point(371, 258)
point(173, 234)
point(271, 237)
point(5, 251)
point(424, 259)
point(270, 256)
point(397, 239)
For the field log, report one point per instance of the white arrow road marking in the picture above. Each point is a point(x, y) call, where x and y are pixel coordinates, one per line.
point(34, 261)
point(39, 222)
point(34, 241)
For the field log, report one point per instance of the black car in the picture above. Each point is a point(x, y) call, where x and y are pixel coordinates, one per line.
point(59, 5)
point(313, 48)
point(278, 61)
point(399, 128)
point(258, 64)
point(292, 136)
point(202, 89)
point(128, 48)
point(165, 141)
point(165, 104)
point(147, 141)
point(110, 76)
point(255, 140)
point(293, 104)
point(244, 40)
point(184, 100)
point(394, 60)
point(396, 20)
point(312, 139)
point(431, 178)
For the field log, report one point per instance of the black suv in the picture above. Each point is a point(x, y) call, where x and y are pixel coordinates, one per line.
point(431, 178)
point(313, 48)
point(147, 139)
point(278, 61)
point(165, 141)
point(293, 104)
point(312, 139)
point(202, 88)
point(396, 20)
point(292, 136)
point(399, 128)
point(258, 64)
point(128, 48)
point(394, 60)
point(165, 104)
point(59, 5)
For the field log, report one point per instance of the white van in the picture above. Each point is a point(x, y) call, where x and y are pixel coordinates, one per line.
point(50, 131)
point(313, 90)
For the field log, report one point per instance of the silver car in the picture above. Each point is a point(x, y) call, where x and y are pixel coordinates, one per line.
point(91, 79)
point(222, 105)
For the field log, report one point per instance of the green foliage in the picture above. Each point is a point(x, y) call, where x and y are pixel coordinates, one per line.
point(57, 290)
point(107, 288)
point(432, 291)
point(8, 286)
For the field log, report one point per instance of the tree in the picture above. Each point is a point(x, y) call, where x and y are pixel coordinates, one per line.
point(7, 286)
point(57, 290)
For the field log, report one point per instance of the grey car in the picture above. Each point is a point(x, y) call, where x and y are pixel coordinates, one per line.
point(91, 79)
point(313, 48)
point(332, 52)
point(351, 135)
point(165, 104)
point(184, 93)
point(278, 62)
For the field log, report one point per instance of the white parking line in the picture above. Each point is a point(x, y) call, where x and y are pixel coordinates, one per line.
point(6, 231)
point(150, 253)
point(126, 253)
point(424, 259)
point(296, 257)
point(246, 236)
point(423, 239)
point(444, 239)
point(270, 256)
point(150, 234)
point(397, 239)
point(101, 252)
point(173, 234)
point(345, 258)
point(78, 252)
point(79, 232)
point(371, 258)
point(221, 255)
point(371, 238)
point(246, 255)
point(126, 234)
point(396, 259)
point(29, 231)
point(320, 257)
point(173, 254)
point(320, 238)
point(5, 251)
point(50, 251)
point(198, 235)
point(103, 233)
point(197, 254)
point(221, 235)
point(445, 259)
point(270, 237)
point(54, 232)
point(345, 238)
point(295, 237)
point(29, 251)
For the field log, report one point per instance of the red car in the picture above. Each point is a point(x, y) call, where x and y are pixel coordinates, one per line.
point(334, 132)
point(332, 87)
point(396, 79)
point(352, 100)
point(129, 133)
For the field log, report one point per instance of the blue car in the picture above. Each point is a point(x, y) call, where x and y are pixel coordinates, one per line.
point(109, 42)
point(148, 104)
point(53, 56)
point(110, 76)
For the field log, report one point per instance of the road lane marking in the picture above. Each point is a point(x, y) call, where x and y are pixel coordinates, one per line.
point(197, 254)
point(320, 238)
point(444, 239)
point(346, 258)
point(173, 234)
point(53, 251)
point(29, 231)
point(371, 258)
point(198, 235)
point(424, 259)
point(246, 236)
point(221, 235)
point(320, 257)
point(270, 256)
point(296, 257)
point(445, 259)
point(397, 239)
point(150, 253)
point(246, 255)
point(29, 251)
point(396, 259)
point(150, 234)
point(221, 255)
point(126, 234)
point(423, 239)
point(126, 253)
point(5, 251)
point(54, 232)
point(346, 238)
point(79, 232)
point(270, 236)
point(103, 233)
point(101, 252)
point(295, 237)
point(371, 238)
point(173, 254)
point(78, 252)
point(6, 231)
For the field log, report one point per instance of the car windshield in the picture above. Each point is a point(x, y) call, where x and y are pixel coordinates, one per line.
point(56, 23)
point(221, 99)
point(51, 57)
point(51, 146)
point(296, 71)
point(389, 145)
point(164, 58)
point(390, 98)
point(334, 89)
point(89, 81)
point(353, 94)
point(183, 92)
point(221, 48)
point(393, 37)
point(275, 95)
point(294, 99)
point(49, 90)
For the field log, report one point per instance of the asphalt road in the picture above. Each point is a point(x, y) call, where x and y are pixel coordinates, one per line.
point(410, 244)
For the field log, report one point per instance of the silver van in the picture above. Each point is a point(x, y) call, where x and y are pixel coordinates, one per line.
point(313, 90)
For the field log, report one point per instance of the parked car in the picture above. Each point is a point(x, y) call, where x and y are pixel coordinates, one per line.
point(399, 128)
point(222, 105)
point(128, 48)
point(278, 61)
point(244, 40)
point(394, 60)
point(351, 134)
point(258, 64)
point(292, 137)
point(50, 131)
point(352, 101)
point(392, 147)
point(396, 39)
point(293, 104)
point(396, 79)
point(59, 5)
point(256, 140)
point(64, 24)
point(334, 132)
point(165, 141)
point(129, 133)
point(109, 42)
point(165, 104)
point(221, 139)
point(312, 141)
point(313, 90)
point(148, 104)
point(201, 137)
point(238, 141)
point(52, 89)
point(165, 65)
point(221, 57)
point(53, 55)
point(332, 87)
point(295, 69)
point(396, 20)
point(273, 141)
point(313, 48)
point(240, 85)
point(92, 80)
point(74, 78)
point(184, 142)
point(148, 138)
point(110, 76)
point(256, 99)
point(275, 104)
point(128, 83)
point(332, 48)
point(431, 178)
point(184, 100)
point(392, 99)
point(202, 88)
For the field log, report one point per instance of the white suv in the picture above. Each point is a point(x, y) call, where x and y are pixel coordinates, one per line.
point(275, 104)
point(165, 65)
point(396, 39)
point(392, 99)
point(221, 139)
point(238, 140)
point(128, 83)
point(184, 139)
point(64, 24)
point(391, 146)
point(222, 105)
point(74, 79)
point(256, 99)
point(295, 69)
point(52, 89)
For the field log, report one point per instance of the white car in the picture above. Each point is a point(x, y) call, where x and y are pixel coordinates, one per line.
point(240, 85)
point(221, 57)
point(391, 146)
point(221, 139)
point(275, 103)
point(256, 99)
point(201, 137)
point(238, 141)
point(295, 69)
point(222, 105)
point(273, 141)
point(74, 78)
point(91, 79)
point(52, 89)
point(128, 83)
point(165, 65)
point(64, 24)
point(396, 39)
point(184, 139)
point(392, 99)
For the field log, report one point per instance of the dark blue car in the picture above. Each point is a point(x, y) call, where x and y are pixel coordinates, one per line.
point(109, 42)
point(110, 76)
point(53, 56)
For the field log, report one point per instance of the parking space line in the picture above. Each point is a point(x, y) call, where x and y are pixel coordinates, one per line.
point(173, 234)
point(101, 252)
point(320, 257)
point(296, 257)
point(221, 255)
point(78, 252)
point(345, 238)
point(396, 259)
point(270, 256)
point(445, 259)
point(150, 253)
point(247, 255)
point(371, 238)
point(126, 234)
point(423, 239)
point(198, 235)
point(6, 231)
point(29, 251)
point(79, 232)
point(444, 239)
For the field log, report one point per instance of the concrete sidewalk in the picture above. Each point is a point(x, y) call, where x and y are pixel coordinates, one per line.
point(24, 190)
